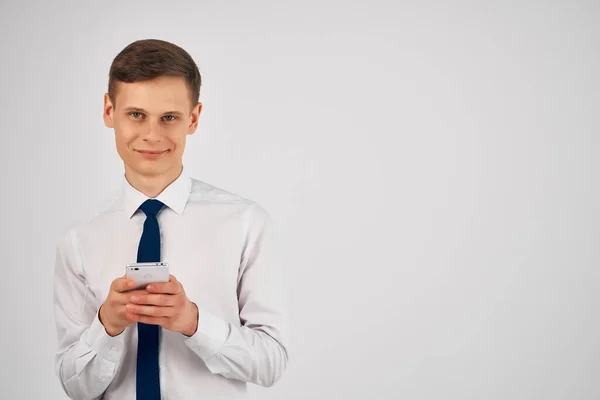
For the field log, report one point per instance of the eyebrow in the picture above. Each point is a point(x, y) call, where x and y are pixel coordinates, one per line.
point(141, 110)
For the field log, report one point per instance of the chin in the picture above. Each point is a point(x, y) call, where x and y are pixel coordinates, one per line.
point(153, 167)
point(153, 170)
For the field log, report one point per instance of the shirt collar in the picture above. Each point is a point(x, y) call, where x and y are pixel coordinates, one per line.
point(174, 196)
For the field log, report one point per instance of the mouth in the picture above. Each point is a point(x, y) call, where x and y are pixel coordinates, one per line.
point(152, 154)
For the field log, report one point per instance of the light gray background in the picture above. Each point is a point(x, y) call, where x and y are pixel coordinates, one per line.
point(432, 169)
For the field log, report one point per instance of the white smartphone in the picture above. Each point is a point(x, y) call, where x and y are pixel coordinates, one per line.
point(144, 273)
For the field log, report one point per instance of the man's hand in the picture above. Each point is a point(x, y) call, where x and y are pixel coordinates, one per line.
point(164, 304)
point(113, 314)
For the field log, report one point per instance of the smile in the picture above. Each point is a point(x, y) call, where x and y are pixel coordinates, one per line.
point(152, 153)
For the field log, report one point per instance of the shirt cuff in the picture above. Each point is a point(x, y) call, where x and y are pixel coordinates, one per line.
point(211, 335)
point(107, 347)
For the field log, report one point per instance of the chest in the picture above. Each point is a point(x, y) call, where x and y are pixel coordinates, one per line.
point(204, 257)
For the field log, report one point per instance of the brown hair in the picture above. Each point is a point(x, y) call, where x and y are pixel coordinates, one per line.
point(150, 58)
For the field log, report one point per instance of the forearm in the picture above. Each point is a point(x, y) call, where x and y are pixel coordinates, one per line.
point(241, 353)
point(89, 363)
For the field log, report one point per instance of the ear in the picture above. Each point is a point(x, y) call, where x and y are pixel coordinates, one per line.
point(108, 111)
point(195, 117)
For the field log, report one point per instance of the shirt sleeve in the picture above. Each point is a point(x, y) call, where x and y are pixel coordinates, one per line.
point(87, 358)
point(255, 352)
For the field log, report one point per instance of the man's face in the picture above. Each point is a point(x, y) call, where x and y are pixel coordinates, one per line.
point(151, 120)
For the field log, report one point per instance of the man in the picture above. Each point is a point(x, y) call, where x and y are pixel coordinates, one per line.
point(219, 322)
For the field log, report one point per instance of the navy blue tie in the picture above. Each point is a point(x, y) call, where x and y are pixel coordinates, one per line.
point(148, 377)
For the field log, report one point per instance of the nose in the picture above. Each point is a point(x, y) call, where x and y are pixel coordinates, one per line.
point(151, 132)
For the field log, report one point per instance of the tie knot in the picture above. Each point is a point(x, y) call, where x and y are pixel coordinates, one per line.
point(151, 207)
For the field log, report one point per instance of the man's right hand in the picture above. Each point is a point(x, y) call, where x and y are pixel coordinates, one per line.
point(112, 313)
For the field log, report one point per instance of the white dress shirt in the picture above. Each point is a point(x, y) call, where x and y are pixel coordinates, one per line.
point(218, 245)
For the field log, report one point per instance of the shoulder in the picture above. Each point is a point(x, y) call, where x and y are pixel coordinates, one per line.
point(205, 193)
point(97, 216)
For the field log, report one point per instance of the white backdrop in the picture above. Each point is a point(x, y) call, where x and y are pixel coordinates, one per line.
point(431, 167)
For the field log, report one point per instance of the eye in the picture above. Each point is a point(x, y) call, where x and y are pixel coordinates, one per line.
point(135, 114)
point(170, 117)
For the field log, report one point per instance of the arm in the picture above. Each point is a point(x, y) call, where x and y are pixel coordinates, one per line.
point(256, 352)
point(87, 358)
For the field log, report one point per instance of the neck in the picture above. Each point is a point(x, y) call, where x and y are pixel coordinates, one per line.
point(152, 185)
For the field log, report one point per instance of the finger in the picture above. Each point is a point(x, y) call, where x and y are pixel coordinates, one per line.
point(165, 300)
point(120, 285)
point(125, 297)
point(151, 311)
point(172, 287)
point(162, 321)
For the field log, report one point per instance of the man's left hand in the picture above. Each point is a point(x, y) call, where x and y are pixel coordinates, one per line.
point(167, 305)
